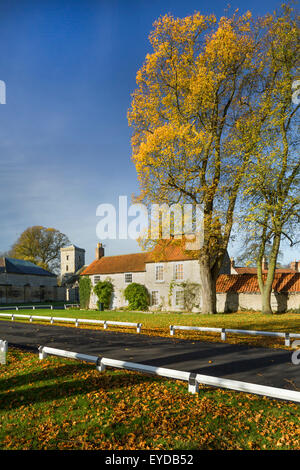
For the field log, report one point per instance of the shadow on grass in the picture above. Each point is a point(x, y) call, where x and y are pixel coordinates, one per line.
point(64, 385)
point(41, 375)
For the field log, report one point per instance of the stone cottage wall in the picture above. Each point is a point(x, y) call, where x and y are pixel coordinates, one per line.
point(25, 294)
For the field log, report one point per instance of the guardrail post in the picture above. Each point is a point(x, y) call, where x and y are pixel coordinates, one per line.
point(12, 317)
point(172, 331)
point(100, 366)
point(76, 322)
point(105, 325)
point(51, 307)
point(51, 320)
point(3, 351)
point(30, 319)
point(42, 354)
point(193, 384)
point(33, 307)
point(287, 341)
point(138, 329)
point(223, 334)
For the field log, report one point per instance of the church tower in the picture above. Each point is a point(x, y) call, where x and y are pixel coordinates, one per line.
point(72, 259)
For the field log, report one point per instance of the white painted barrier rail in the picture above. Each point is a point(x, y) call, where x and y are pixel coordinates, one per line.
point(287, 336)
point(3, 351)
point(256, 389)
point(44, 351)
point(77, 321)
point(36, 307)
point(193, 379)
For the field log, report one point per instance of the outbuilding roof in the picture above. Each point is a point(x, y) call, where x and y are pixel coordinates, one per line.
point(20, 266)
point(248, 283)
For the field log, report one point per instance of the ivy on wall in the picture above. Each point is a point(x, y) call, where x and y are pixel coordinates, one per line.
point(85, 287)
point(104, 291)
point(191, 294)
point(138, 296)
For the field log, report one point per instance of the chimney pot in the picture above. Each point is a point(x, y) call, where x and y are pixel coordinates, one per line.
point(99, 251)
point(295, 265)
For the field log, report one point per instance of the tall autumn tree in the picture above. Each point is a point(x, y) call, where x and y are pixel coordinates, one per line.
point(193, 127)
point(272, 190)
point(40, 245)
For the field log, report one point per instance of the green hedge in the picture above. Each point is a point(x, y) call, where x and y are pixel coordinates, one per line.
point(104, 291)
point(85, 287)
point(138, 296)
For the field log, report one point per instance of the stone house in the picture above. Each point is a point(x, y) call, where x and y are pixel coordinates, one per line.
point(171, 276)
point(173, 281)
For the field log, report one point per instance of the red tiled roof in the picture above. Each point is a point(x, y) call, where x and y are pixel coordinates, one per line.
point(243, 283)
point(117, 264)
point(245, 270)
point(136, 262)
point(170, 252)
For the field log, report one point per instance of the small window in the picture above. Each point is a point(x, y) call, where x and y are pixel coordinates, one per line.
point(154, 297)
point(128, 278)
point(67, 257)
point(159, 272)
point(178, 274)
point(67, 268)
point(179, 298)
point(96, 279)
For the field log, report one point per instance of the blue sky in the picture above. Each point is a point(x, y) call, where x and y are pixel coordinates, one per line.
point(69, 69)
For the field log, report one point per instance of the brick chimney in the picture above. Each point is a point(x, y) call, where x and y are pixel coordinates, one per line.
point(232, 266)
point(295, 265)
point(99, 251)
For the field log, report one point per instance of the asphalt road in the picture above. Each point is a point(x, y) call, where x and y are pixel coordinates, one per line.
point(265, 366)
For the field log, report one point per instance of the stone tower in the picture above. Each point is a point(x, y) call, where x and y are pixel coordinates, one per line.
point(72, 259)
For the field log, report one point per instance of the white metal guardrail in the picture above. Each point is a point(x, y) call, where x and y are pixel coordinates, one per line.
point(34, 307)
point(3, 351)
point(77, 321)
point(44, 351)
point(287, 336)
point(193, 379)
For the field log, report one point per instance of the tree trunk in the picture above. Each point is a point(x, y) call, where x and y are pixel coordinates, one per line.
point(266, 299)
point(266, 287)
point(208, 286)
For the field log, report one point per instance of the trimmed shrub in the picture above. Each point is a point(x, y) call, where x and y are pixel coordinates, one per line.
point(104, 291)
point(137, 296)
point(85, 287)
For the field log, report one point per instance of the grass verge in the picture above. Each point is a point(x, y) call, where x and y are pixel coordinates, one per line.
point(66, 405)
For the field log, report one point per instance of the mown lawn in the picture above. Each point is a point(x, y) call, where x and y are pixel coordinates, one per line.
point(63, 404)
point(159, 323)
